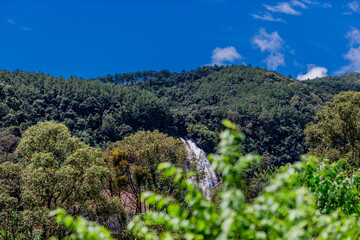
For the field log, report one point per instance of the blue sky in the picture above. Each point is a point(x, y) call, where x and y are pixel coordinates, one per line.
point(304, 38)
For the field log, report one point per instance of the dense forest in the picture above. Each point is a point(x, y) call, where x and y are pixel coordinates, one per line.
point(92, 147)
point(271, 109)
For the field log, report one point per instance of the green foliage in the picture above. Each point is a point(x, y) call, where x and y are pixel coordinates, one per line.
point(205, 137)
point(313, 199)
point(80, 228)
point(272, 110)
point(48, 137)
point(93, 111)
point(58, 171)
point(285, 210)
point(334, 185)
point(327, 87)
point(256, 178)
point(7, 145)
point(336, 131)
point(133, 166)
point(10, 189)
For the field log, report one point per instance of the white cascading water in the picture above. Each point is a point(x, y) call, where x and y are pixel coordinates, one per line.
point(210, 178)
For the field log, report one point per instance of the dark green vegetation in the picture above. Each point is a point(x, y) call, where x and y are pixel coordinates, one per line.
point(271, 108)
point(335, 133)
point(93, 147)
point(327, 87)
point(94, 111)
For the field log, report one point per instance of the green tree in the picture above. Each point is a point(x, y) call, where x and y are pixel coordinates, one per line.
point(7, 145)
point(10, 200)
point(59, 171)
point(205, 138)
point(335, 133)
point(48, 137)
point(133, 166)
point(324, 179)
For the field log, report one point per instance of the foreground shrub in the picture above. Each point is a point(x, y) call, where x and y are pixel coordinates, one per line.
point(80, 228)
point(334, 185)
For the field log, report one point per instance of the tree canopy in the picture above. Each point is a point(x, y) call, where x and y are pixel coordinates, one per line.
point(335, 134)
point(58, 171)
point(133, 164)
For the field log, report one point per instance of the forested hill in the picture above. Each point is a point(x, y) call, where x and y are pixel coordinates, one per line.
point(94, 111)
point(271, 109)
point(330, 86)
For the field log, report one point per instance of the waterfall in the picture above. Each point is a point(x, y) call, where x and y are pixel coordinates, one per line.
point(198, 156)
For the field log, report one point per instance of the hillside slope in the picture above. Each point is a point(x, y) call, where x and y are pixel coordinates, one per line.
point(94, 111)
point(271, 109)
point(327, 87)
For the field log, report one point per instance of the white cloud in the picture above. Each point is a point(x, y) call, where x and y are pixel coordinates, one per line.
point(274, 60)
point(10, 21)
point(283, 7)
point(354, 6)
point(267, 42)
point(267, 17)
point(298, 4)
point(309, 2)
point(273, 44)
point(287, 7)
point(354, 36)
point(353, 55)
point(14, 23)
point(327, 5)
point(324, 5)
point(221, 56)
point(313, 72)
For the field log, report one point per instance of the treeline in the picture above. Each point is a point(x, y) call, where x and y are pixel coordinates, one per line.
point(327, 87)
point(164, 76)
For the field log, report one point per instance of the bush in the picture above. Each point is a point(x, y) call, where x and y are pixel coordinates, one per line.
point(80, 228)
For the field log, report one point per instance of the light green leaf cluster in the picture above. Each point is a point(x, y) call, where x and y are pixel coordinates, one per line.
point(61, 170)
point(286, 210)
point(80, 228)
point(334, 185)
